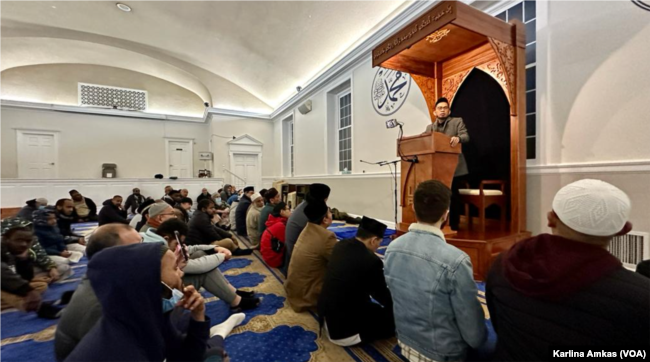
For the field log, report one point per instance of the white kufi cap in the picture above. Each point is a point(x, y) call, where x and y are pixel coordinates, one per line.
point(592, 207)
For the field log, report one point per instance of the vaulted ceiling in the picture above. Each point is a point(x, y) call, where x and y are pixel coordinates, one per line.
point(236, 55)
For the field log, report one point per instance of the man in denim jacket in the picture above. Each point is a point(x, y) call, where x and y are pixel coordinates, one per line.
point(437, 313)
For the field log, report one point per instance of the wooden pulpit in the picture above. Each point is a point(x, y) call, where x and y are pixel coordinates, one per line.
point(436, 160)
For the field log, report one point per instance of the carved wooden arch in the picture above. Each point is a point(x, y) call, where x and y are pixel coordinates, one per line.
point(500, 65)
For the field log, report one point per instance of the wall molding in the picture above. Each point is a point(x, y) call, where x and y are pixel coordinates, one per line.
point(590, 167)
point(5, 103)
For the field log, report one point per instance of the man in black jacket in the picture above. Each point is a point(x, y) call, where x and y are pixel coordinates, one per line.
point(203, 231)
point(566, 289)
point(354, 275)
point(240, 214)
point(65, 217)
point(85, 208)
point(112, 212)
point(134, 201)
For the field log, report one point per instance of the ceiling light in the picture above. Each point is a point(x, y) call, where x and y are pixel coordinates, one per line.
point(123, 7)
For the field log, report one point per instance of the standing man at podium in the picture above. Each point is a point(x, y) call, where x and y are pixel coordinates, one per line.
point(453, 127)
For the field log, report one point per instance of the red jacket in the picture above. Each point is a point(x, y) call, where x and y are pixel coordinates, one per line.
point(275, 226)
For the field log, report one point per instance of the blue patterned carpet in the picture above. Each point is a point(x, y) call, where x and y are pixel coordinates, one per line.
point(272, 332)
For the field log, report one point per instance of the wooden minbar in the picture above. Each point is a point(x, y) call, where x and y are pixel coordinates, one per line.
point(440, 49)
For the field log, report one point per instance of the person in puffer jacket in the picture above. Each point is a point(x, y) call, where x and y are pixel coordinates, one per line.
point(276, 226)
point(201, 267)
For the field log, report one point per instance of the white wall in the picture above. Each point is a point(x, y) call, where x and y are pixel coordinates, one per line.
point(593, 64)
point(86, 141)
point(260, 129)
point(57, 84)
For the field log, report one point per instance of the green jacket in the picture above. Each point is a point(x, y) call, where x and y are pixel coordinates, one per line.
point(264, 216)
point(40, 257)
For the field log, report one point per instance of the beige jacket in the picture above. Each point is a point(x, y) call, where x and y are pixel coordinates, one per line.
point(308, 265)
point(252, 224)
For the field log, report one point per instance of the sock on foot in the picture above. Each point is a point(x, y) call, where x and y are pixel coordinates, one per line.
point(226, 327)
point(241, 252)
point(245, 294)
point(49, 311)
point(248, 303)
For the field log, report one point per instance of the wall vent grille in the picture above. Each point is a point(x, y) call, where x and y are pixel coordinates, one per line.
point(94, 95)
point(631, 249)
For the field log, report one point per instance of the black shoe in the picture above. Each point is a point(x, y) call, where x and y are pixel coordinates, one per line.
point(249, 303)
point(65, 298)
point(245, 294)
point(242, 252)
point(49, 311)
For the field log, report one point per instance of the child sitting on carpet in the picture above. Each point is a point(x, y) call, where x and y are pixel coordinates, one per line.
point(166, 321)
point(21, 286)
point(276, 224)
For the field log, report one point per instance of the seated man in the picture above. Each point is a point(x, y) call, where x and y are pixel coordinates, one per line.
point(112, 212)
point(157, 213)
point(65, 217)
point(437, 313)
point(52, 241)
point(85, 208)
point(139, 328)
point(184, 193)
point(253, 219)
point(134, 201)
point(233, 207)
point(186, 206)
point(298, 219)
point(22, 286)
point(31, 205)
point(311, 256)
point(84, 310)
point(354, 275)
point(234, 197)
point(201, 269)
point(226, 192)
point(272, 245)
point(566, 289)
point(174, 198)
point(205, 194)
point(223, 210)
point(241, 211)
point(138, 221)
point(203, 231)
point(271, 198)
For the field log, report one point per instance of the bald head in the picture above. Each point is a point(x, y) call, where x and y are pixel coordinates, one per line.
point(109, 235)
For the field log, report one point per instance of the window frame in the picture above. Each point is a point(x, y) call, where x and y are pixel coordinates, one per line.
point(339, 96)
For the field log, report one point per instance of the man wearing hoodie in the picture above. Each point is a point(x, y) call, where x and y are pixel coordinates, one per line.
point(201, 269)
point(272, 244)
point(242, 210)
point(154, 326)
point(205, 194)
point(134, 201)
point(253, 220)
point(84, 310)
point(566, 289)
point(437, 314)
point(112, 212)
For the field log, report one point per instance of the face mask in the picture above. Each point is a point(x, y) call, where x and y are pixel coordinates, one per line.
point(218, 200)
point(169, 304)
point(41, 207)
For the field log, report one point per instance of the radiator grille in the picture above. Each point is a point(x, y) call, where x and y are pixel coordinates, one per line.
point(112, 97)
point(631, 249)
